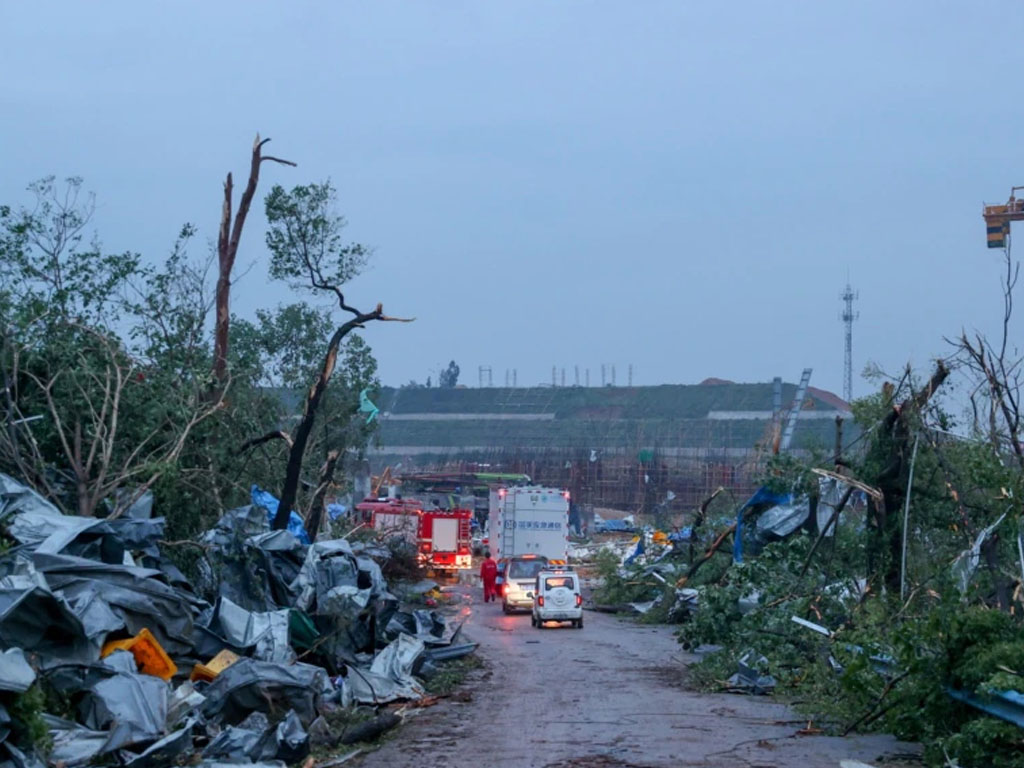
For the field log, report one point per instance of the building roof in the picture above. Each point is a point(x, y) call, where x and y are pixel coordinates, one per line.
point(714, 416)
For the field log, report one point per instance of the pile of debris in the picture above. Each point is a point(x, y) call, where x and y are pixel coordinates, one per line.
point(109, 654)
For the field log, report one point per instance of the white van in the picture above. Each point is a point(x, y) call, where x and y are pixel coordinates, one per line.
point(556, 597)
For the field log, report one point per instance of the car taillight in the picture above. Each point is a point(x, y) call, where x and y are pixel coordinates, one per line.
point(540, 600)
point(424, 547)
point(579, 600)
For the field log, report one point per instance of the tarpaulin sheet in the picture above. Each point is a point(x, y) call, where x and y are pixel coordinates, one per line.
point(761, 498)
point(269, 502)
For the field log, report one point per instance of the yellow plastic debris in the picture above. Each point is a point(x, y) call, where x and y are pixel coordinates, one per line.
point(214, 666)
point(660, 537)
point(150, 657)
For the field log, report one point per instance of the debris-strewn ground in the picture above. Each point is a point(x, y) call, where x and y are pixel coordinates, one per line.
point(606, 695)
point(109, 655)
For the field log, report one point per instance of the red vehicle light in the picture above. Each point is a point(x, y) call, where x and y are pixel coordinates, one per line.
point(540, 600)
point(579, 600)
point(424, 547)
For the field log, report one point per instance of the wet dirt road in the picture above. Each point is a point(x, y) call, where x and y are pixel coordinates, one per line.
point(611, 694)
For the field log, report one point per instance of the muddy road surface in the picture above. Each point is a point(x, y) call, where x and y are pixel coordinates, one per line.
point(612, 694)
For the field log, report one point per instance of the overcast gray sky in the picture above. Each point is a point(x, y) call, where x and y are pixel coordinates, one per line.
point(678, 185)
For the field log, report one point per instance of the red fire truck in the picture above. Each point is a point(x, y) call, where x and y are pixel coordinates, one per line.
point(441, 536)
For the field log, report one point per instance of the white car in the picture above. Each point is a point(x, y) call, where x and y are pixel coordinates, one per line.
point(556, 597)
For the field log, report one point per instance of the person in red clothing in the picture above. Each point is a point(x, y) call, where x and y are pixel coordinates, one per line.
point(489, 572)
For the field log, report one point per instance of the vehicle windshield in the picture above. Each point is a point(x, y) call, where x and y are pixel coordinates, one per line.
point(553, 582)
point(525, 569)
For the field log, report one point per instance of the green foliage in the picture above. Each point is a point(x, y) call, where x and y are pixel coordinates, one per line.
point(304, 239)
point(29, 729)
point(452, 674)
point(284, 347)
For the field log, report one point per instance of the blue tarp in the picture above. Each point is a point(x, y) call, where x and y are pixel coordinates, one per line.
point(636, 552)
point(269, 502)
point(618, 526)
point(334, 511)
point(683, 535)
point(763, 497)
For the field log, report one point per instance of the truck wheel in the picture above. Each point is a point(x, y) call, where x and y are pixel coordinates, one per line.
point(504, 608)
point(579, 623)
point(533, 621)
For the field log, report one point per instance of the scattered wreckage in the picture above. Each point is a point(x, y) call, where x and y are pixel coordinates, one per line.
point(246, 666)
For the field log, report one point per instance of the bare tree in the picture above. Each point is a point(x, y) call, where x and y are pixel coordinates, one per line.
point(227, 249)
point(995, 372)
point(84, 407)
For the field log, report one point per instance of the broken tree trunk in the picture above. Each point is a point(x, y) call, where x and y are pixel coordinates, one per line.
point(228, 239)
point(313, 400)
point(316, 510)
point(885, 541)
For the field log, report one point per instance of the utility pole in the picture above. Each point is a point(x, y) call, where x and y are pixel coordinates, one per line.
point(630, 379)
point(577, 375)
point(848, 316)
point(554, 373)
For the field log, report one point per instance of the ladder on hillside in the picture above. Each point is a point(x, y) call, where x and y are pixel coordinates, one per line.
point(794, 410)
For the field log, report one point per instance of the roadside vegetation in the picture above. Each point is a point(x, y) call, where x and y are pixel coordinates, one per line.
point(907, 618)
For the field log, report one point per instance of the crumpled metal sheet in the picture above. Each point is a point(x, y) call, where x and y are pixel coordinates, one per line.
point(33, 617)
point(16, 674)
point(328, 566)
point(426, 625)
point(18, 498)
point(389, 677)
point(50, 531)
point(966, 563)
point(132, 708)
point(19, 759)
point(250, 564)
point(138, 595)
point(233, 744)
point(250, 685)
point(74, 744)
point(184, 701)
point(262, 635)
point(164, 752)
point(287, 741)
point(781, 521)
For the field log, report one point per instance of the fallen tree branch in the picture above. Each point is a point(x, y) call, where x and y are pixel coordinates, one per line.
point(275, 435)
point(881, 697)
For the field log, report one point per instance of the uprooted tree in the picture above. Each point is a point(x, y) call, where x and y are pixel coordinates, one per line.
point(307, 251)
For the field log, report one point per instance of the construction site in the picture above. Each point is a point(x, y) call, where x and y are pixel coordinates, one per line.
point(633, 449)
